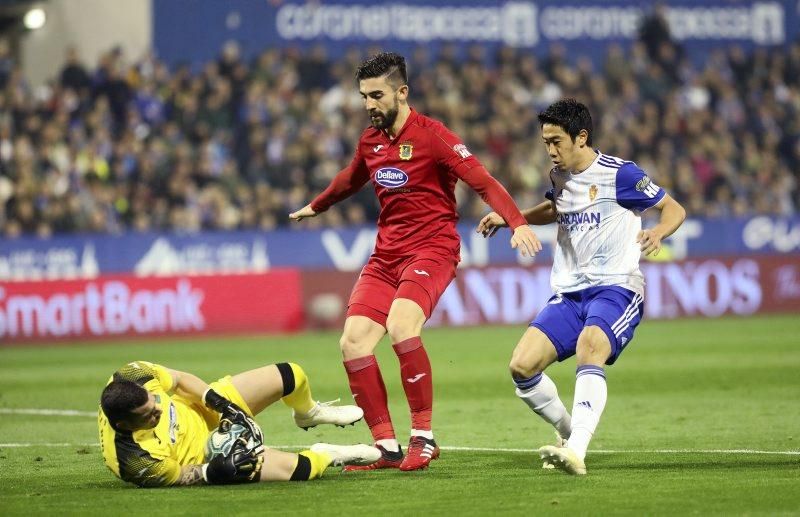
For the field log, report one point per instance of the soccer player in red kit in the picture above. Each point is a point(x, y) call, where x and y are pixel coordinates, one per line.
point(414, 163)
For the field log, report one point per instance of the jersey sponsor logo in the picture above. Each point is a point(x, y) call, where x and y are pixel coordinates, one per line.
point(406, 150)
point(391, 177)
point(647, 187)
point(579, 218)
point(462, 150)
point(592, 192)
point(579, 222)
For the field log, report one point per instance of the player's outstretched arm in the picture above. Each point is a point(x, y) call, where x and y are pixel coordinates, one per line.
point(672, 216)
point(541, 214)
point(346, 183)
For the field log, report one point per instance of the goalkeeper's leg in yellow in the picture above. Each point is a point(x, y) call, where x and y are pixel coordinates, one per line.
point(264, 386)
point(311, 464)
point(308, 412)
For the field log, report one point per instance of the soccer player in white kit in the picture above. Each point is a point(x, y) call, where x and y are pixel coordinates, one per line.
point(597, 201)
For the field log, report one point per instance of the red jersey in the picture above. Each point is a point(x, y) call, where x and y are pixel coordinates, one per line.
point(414, 175)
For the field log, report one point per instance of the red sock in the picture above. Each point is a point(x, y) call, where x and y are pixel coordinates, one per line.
point(415, 369)
point(369, 392)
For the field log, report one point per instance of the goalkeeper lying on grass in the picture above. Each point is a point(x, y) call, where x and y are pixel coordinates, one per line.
point(154, 424)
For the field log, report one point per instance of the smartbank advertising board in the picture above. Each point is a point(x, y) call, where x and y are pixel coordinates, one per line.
point(143, 255)
point(190, 30)
point(122, 305)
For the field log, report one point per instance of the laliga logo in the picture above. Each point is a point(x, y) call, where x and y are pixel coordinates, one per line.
point(390, 177)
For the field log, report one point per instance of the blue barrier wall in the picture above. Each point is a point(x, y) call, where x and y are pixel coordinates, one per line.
point(340, 249)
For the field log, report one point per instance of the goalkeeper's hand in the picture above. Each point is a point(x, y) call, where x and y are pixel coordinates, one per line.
point(232, 412)
point(242, 465)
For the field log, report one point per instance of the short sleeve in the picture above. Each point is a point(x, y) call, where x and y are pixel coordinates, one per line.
point(451, 153)
point(635, 190)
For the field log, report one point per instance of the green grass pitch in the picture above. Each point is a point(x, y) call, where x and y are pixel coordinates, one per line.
point(703, 417)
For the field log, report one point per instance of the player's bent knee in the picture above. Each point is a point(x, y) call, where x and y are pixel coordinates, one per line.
point(523, 369)
point(352, 347)
point(401, 330)
point(593, 346)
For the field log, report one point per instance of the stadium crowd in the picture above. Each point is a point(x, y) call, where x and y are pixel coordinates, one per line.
point(235, 145)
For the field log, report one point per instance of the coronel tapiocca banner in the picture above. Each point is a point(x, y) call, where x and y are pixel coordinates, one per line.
point(582, 28)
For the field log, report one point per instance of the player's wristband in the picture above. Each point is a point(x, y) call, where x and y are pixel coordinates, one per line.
point(215, 401)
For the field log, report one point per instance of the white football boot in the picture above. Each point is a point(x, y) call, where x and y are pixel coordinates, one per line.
point(560, 442)
point(348, 454)
point(327, 413)
point(563, 458)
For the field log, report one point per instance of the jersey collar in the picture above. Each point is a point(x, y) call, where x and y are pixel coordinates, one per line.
point(411, 118)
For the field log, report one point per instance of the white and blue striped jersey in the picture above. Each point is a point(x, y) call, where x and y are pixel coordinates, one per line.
point(599, 217)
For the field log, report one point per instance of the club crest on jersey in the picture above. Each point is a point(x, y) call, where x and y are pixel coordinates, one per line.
point(592, 192)
point(391, 177)
point(406, 150)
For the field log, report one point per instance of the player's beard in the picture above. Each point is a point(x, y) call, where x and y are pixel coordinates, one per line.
point(386, 120)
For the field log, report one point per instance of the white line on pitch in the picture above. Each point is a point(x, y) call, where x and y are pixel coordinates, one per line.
point(45, 412)
point(483, 449)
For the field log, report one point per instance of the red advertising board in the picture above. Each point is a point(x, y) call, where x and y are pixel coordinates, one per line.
point(127, 305)
point(515, 294)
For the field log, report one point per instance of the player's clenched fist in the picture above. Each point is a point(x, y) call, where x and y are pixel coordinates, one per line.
point(526, 241)
point(301, 214)
point(490, 223)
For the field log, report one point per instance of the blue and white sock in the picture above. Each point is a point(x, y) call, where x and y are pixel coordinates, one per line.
point(540, 394)
point(591, 393)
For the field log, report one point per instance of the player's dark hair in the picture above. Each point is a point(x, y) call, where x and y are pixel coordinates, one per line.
point(120, 398)
point(571, 116)
point(388, 64)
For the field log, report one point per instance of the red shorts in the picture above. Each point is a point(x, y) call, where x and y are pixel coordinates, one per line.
point(421, 278)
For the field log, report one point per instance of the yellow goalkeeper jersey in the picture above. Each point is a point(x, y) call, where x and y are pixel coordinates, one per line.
point(153, 457)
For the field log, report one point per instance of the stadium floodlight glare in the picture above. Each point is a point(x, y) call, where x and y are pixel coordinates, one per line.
point(35, 18)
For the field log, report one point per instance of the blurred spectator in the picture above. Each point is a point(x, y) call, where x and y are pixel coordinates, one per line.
point(74, 74)
point(139, 147)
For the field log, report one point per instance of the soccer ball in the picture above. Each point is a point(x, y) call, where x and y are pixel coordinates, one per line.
point(220, 441)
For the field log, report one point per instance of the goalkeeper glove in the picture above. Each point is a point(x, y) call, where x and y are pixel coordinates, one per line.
point(232, 412)
point(242, 465)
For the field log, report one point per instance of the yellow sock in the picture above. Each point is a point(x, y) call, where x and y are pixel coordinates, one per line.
point(299, 391)
point(310, 465)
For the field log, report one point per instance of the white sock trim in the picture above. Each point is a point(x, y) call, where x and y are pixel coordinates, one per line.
point(390, 444)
